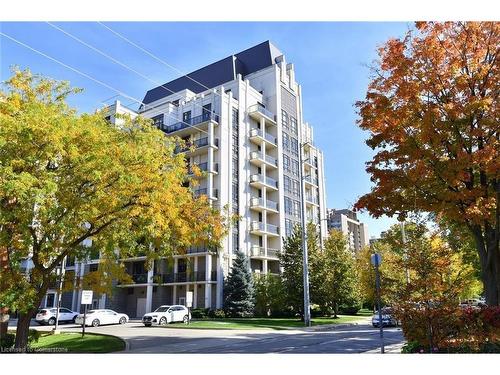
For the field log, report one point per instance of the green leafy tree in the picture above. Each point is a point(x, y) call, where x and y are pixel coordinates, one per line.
point(239, 294)
point(66, 178)
point(270, 295)
point(333, 274)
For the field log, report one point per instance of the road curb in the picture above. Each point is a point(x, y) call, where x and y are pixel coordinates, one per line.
point(388, 349)
point(329, 327)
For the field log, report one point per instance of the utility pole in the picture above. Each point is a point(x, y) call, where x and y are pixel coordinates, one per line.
point(307, 310)
point(405, 251)
point(376, 259)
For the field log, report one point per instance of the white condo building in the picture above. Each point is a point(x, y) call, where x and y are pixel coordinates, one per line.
point(243, 115)
point(347, 222)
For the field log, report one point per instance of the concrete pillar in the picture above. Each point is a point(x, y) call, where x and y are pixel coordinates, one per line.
point(149, 292)
point(174, 295)
point(264, 266)
point(219, 294)
point(208, 286)
point(195, 285)
point(210, 160)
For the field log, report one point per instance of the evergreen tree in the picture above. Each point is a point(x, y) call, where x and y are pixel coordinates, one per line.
point(238, 290)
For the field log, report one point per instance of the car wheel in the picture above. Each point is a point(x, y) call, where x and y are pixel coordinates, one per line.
point(162, 321)
point(74, 319)
point(95, 323)
point(185, 320)
point(123, 320)
point(52, 321)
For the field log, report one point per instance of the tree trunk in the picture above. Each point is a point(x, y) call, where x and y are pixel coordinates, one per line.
point(23, 326)
point(489, 256)
point(3, 329)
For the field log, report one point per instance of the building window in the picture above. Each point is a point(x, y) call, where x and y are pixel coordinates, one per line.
point(158, 121)
point(293, 124)
point(93, 267)
point(286, 163)
point(288, 184)
point(295, 167)
point(288, 227)
point(294, 143)
point(295, 188)
point(288, 206)
point(284, 119)
point(207, 110)
point(296, 209)
point(286, 142)
point(186, 117)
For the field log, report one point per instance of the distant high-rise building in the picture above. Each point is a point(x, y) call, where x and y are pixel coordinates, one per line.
point(347, 222)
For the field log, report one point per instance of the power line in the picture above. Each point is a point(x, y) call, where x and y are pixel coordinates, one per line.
point(153, 56)
point(88, 45)
point(89, 77)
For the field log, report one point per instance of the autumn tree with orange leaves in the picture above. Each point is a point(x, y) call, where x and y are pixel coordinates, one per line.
point(433, 116)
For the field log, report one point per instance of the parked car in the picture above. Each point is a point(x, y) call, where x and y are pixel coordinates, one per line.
point(475, 303)
point(48, 316)
point(388, 318)
point(167, 314)
point(99, 317)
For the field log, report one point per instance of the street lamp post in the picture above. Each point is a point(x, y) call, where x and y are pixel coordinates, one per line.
point(305, 263)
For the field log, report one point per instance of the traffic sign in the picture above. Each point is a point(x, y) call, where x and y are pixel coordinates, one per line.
point(189, 299)
point(87, 297)
point(376, 259)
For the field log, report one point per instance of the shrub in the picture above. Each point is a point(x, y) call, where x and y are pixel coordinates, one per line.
point(8, 341)
point(350, 309)
point(216, 314)
point(199, 313)
point(33, 336)
point(450, 329)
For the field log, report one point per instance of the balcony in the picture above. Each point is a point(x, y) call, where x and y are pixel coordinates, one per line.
point(190, 124)
point(258, 159)
point(260, 228)
point(257, 136)
point(203, 167)
point(258, 111)
point(308, 161)
point(312, 200)
point(311, 180)
point(259, 204)
point(260, 181)
point(195, 147)
point(199, 192)
point(261, 253)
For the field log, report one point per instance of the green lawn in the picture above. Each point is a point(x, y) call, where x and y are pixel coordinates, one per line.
point(264, 323)
point(74, 343)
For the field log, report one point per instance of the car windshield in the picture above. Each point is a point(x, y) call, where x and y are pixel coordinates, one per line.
point(91, 312)
point(162, 308)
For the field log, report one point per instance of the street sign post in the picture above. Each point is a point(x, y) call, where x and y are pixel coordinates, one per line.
point(86, 300)
point(376, 260)
point(189, 304)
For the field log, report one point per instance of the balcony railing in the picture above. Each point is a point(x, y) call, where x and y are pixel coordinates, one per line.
point(269, 228)
point(204, 191)
point(191, 122)
point(272, 228)
point(264, 180)
point(259, 202)
point(273, 253)
point(311, 180)
point(204, 167)
point(261, 109)
point(258, 251)
point(197, 143)
point(140, 278)
point(255, 132)
point(312, 199)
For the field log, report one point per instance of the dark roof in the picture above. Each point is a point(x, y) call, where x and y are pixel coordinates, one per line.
point(246, 62)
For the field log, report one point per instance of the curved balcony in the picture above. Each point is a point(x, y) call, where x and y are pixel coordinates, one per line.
point(258, 136)
point(260, 228)
point(260, 181)
point(194, 123)
point(257, 158)
point(258, 111)
point(259, 204)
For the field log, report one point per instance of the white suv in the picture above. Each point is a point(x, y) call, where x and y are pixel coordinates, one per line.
point(48, 316)
point(167, 314)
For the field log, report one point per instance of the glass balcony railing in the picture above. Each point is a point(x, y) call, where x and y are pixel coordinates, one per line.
point(270, 228)
point(197, 143)
point(273, 253)
point(208, 116)
point(261, 227)
point(268, 137)
point(311, 180)
point(261, 109)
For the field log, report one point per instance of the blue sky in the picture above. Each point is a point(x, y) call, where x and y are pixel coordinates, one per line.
point(330, 63)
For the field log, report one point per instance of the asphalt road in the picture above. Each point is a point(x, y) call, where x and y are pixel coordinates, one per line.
point(352, 339)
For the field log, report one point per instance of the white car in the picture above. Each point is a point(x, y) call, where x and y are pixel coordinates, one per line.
point(167, 314)
point(95, 318)
point(48, 316)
